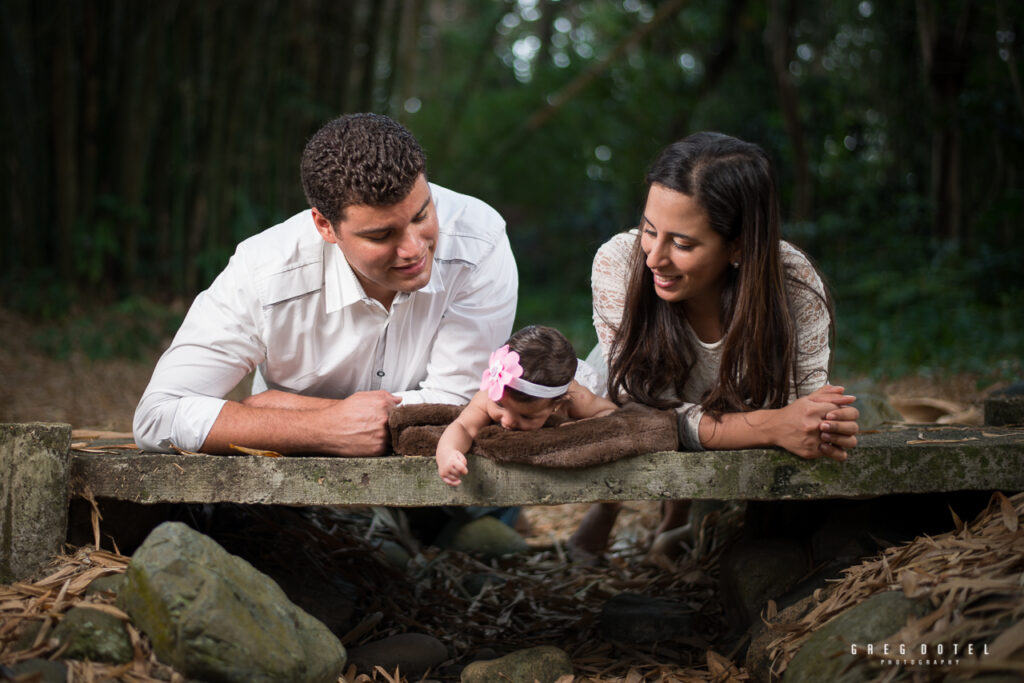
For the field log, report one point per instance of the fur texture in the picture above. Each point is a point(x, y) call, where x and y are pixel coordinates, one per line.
point(632, 430)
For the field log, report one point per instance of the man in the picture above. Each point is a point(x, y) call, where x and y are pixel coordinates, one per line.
point(387, 290)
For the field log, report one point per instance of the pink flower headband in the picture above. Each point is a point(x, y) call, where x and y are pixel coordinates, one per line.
point(504, 370)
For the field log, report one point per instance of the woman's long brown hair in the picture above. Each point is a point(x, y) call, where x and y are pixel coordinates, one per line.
point(652, 355)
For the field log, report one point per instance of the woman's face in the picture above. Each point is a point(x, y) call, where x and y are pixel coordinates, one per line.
point(687, 257)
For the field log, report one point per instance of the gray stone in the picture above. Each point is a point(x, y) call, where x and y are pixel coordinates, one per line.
point(484, 536)
point(33, 496)
point(48, 672)
point(212, 616)
point(395, 553)
point(111, 583)
point(875, 409)
point(27, 632)
point(1006, 406)
point(411, 653)
point(884, 462)
point(93, 635)
point(754, 571)
point(545, 664)
point(826, 654)
point(758, 660)
point(636, 618)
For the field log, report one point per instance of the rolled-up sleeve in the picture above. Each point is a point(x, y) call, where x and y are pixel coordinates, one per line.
point(216, 346)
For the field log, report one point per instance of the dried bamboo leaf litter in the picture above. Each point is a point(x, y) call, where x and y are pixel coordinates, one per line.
point(973, 579)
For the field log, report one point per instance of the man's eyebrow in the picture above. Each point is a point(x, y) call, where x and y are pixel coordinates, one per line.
point(683, 235)
point(384, 228)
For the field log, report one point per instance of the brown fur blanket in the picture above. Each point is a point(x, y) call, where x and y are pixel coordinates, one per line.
point(629, 431)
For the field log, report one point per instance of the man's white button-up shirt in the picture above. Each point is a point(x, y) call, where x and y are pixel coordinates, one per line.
point(289, 306)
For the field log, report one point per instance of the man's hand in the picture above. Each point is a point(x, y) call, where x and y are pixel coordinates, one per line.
point(357, 425)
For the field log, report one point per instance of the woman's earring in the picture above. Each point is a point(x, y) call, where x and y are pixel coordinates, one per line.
point(735, 264)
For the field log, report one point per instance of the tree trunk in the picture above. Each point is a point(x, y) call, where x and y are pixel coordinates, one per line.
point(63, 120)
point(779, 49)
point(944, 31)
point(371, 30)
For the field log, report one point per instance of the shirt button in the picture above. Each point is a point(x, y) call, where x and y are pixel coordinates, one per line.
point(380, 373)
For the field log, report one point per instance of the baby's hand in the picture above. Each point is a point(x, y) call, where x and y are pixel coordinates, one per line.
point(451, 465)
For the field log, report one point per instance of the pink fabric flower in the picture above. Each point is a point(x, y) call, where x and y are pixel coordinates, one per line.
point(503, 368)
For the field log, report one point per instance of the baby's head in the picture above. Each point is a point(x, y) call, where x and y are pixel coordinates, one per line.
point(529, 376)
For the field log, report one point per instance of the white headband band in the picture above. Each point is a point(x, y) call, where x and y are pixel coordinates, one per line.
point(536, 390)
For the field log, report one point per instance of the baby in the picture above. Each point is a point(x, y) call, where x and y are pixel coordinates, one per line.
point(529, 379)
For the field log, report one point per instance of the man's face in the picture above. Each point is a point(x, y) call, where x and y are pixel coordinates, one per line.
point(390, 248)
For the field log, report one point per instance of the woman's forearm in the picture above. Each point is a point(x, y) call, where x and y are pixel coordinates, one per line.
point(735, 431)
point(821, 424)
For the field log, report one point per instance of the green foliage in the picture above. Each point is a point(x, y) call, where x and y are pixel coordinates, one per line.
point(136, 160)
point(567, 312)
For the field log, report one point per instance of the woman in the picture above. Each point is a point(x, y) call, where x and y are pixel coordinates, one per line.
point(705, 309)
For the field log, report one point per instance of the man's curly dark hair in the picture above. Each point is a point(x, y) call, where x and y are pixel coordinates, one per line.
point(359, 159)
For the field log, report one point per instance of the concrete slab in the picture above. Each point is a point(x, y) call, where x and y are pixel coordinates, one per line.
point(33, 496)
point(907, 459)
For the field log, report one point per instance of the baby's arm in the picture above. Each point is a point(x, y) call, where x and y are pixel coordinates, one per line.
point(458, 438)
point(584, 403)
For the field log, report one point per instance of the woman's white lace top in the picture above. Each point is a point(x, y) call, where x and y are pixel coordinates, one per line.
point(608, 282)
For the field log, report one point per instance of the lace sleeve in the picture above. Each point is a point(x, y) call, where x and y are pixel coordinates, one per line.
point(608, 285)
point(807, 302)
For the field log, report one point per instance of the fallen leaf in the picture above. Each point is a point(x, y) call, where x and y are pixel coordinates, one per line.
point(957, 522)
point(918, 442)
point(1009, 514)
point(255, 451)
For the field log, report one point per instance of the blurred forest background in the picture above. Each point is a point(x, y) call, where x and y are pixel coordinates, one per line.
point(143, 140)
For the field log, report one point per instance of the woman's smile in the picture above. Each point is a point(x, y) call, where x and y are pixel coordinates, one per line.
point(665, 281)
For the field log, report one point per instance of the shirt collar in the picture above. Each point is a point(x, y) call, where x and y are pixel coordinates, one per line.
point(342, 287)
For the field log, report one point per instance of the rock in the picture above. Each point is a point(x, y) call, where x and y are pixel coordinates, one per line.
point(93, 635)
point(411, 653)
point(33, 496)
point(212, 616)
point(545, 664)
point(874, 406)
point(47, 671)
point(758, 661)
point(754, 571)
point(826, 655)
point(1006, 406)
point(485, 536)
point(27, 632)
point(635, 618)
point(396, 555)
point(111, 583)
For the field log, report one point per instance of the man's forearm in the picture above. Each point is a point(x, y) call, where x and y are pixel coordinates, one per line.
point(266, 426)
point(272, 398)
point(289, 423)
